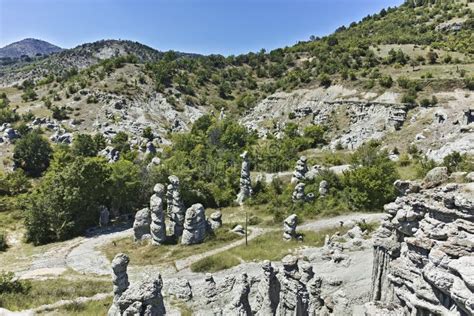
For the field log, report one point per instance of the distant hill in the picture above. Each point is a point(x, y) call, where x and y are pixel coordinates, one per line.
point(30, 47)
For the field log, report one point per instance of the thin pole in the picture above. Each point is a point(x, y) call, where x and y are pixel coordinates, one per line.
point(246, 226)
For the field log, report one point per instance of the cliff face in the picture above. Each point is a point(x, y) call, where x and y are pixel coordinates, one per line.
point(424, 254)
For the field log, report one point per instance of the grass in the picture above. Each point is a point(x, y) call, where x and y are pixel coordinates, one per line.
point(269, 246)
point(408, 172)
point(51, 291)
point(146, 254)
point(91, 308)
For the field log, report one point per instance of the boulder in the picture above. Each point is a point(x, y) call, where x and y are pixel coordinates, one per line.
point(215, 220)
point(435, 177)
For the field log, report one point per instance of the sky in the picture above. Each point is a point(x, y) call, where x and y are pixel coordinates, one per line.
point(195, 26)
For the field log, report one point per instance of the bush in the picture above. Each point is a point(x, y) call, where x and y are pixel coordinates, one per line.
point(14, 182)
point(386, 81)
point(32, 153)
point(325, 80)
point(469, 82)
point(10, 284)
point(3, 244)
point(84, 145)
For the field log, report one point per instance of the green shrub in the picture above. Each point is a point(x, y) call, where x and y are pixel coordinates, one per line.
point(386, 81)
point(3, 245)
point(32, 153)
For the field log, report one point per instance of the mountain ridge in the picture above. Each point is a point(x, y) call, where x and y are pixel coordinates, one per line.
point(28, 47)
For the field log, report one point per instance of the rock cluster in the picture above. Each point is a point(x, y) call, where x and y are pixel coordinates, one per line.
point(245, 182)
point(268, 291)
point(423, 253)
point(139, 299)
point(300, 170)
point(157, 225)
point(195, 225)
point(176, 210)
point(289, 227)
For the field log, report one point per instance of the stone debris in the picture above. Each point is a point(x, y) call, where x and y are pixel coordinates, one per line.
point(176, 210)
point(423, 262)
point(323, 188)
point(141, 225)
point(158, 224)
point(406, 186)
point(300, 170)
point(215, 220)
point(195, 225)
point(245, 182)
point(289, 227)
point(333, 250)
point(181, 289)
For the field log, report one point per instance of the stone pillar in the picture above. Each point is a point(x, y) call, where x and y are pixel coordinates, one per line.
point(300, 170)
point(323, 188)
point(294, 296)
point(141, 225)
point(194, 225)
point(289, 227)
point(176, 209)
point(120, 276)
point(158, 225)
point(104, 217)
point(245, 182)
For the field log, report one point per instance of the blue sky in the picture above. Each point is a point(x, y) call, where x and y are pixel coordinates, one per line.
point(198, 26)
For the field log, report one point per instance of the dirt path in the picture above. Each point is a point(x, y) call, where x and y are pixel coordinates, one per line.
point(81, 254)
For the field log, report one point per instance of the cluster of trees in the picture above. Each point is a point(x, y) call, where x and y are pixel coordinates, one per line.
point(367, 187)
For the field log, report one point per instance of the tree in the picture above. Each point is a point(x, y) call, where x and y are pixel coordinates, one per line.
point(314, 134)
point(148, 133)
point(120, 142)
point(100, 141)
point(124, 189)
point(224, 90)
point(32, 153)
point(67, 200)
point(84, 145)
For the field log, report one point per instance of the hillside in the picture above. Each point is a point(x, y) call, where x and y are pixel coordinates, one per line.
point(122, 162)
point(28, 47)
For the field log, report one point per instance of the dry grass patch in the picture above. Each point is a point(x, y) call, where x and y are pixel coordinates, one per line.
point(269, 246)
point(146, 254)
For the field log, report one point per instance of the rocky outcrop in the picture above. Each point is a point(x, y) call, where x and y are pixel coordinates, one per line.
point(435, 177)
point(141, 225)
point(423, 253)
point(300, 170)
point(293, 295)
point(289, 227)
point(157, 225)
point(268, 291)
point(140, 299)
point(245, 182)
point(195, 225)
point(176, 210)
point(240, 298)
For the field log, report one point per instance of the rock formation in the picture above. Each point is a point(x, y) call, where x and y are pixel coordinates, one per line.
point(215, 220)
point(120, 276)
point(195, 225)
point(210, 290)
point(435, 177)
point(289, 227)
point(268, 291)
point(245, 182)
point(240, 298)
point(298, 192)
point(181, 289)
point(423, 253)
point(293, 295)
point(104, 216)
point(323, 188)
point(176, 210)
point(158, 225)
point(140, 299)
point(141, 225)
point(300, 170)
